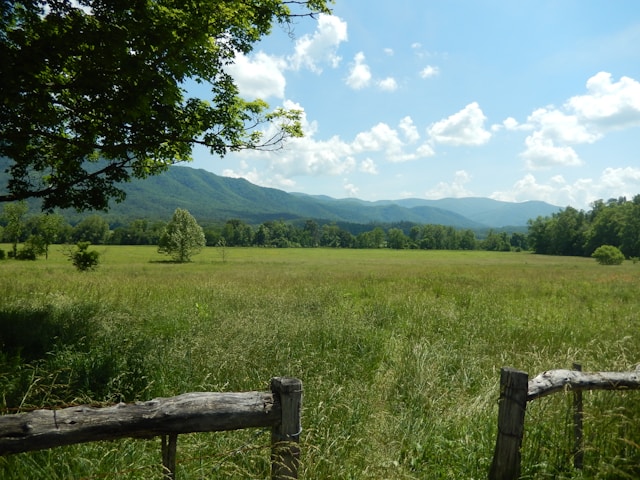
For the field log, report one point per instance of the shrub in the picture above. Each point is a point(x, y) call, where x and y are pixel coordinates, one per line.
point(83, 259)
point(26, 253)
point(2, 254)
point(608, 255)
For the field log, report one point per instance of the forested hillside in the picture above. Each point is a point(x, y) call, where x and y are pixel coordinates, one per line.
point(580, 233)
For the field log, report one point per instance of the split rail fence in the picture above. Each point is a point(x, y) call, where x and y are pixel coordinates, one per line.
point(280, 409)
point(169, 417)
point(516, 390)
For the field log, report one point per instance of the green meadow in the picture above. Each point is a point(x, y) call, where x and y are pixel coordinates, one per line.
point(399, 353)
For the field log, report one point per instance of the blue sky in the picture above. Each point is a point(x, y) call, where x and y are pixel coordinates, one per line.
point(512, 100)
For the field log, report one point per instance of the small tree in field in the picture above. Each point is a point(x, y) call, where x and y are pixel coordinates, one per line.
point(182, 237)
point(83, 258)
point(608, 255)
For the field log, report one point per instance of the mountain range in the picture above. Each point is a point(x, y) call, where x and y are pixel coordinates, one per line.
point(212, 198)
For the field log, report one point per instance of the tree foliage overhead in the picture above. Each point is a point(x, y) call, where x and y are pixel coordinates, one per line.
point(93, 91)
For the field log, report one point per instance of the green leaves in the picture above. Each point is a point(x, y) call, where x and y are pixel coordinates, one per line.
point(182, 237)
point(105, 80)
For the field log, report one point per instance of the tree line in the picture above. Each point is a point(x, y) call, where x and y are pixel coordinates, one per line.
point(37, 231)
point(615, 222)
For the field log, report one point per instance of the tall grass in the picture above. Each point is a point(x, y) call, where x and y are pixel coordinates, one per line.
point(399, 353)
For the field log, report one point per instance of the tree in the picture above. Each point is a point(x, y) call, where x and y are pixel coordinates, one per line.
point(182, 237)
point(608, 255)
point(397, 239)
point(47, 229)
point(93, 91)
point(83, 258)
point(93, 229)
point(630, 230)
point(236, 233)
point(13, 214)
point(468, 240)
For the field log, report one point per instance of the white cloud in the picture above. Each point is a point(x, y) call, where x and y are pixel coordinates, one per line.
point(322, 46)
point(429, 71)
point(527, 188)
point(380, 137)
point(383, 138)
point(465, 127)
point(612, 183)
point(625, 181)
point(258, 76)
point(454, 189)
point(389, 51)
point(542, 153)
point(308, 156)
point(350, 188)
point(425, 150)
point(368, 166)
point(511, 124)
point(389, 84)
point(583, 119)
point(608, 105)
point(360, 74)
point(409, 129)
point(559, 127)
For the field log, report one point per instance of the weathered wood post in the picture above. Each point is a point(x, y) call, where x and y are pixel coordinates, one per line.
point(285, 437)
point(511, 412)
point(578, 415)
point(169, 446)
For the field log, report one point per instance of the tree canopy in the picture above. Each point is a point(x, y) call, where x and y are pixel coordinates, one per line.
point(572, 232)
point(93, 91)
point(182, 237)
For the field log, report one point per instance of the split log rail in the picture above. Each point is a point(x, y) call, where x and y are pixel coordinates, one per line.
point(516, 390)
point(168, 417)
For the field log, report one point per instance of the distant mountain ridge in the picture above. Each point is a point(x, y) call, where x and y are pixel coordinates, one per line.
point(213, 198)
point(210, 197)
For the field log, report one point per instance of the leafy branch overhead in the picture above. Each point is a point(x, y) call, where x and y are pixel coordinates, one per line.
point(93, 91)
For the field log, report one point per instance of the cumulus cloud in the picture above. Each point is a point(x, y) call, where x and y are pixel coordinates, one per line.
point(388, 84)
point(583, 119)
point(624, 180)
point(368, 166)
point(409, 129)
point(350, 188)
point(313, 50)
point(542, 153)
point(454, 189)
point(465, 127)
point(360, 73)
point(258, 76)
point(383, 138)
point(581, 193)
point(608, 105)
point(429, 71)
point(309, 156)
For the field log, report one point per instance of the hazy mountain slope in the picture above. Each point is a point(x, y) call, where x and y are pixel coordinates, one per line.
point(211, 198)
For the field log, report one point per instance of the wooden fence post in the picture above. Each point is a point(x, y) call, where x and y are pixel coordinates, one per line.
point(169, 446)
point(285, 437)
point(578, 449)
point(511, 412)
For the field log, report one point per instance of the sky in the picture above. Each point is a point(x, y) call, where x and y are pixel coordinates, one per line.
point(510, 100)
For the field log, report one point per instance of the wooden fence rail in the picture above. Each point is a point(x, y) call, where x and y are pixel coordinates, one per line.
point(516, 390)
point(168, 417)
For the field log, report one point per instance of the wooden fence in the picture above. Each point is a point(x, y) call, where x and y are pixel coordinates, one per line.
point(516, 390)
point(168, 417)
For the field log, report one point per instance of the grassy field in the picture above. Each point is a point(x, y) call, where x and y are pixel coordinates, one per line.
point(399, 353)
